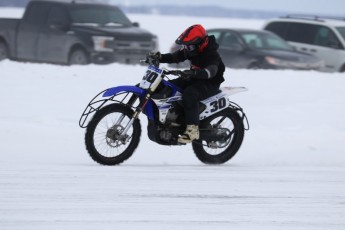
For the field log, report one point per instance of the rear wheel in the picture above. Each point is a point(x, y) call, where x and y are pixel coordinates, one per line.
point(219, 152)
point(104, 140)
point(3, 51)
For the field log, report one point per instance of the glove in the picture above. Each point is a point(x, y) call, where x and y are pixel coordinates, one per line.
point(188, 74)
point(154, 55)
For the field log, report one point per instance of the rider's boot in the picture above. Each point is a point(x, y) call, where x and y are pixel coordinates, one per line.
point(191, 134)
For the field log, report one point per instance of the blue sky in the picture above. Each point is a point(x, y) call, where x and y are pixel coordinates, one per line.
point(325, 7)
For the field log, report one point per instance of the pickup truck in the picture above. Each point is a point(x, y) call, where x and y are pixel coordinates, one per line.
point(74, 33)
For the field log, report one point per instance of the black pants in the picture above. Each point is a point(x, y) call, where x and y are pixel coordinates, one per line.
point(193, 92)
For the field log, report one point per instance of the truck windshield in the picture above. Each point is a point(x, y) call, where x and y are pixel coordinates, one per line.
point(99, 17)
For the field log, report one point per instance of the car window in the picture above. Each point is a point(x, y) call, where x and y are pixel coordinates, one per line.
point(274, 43)
point(58, 15)
point(279, 28)
point(216, 34)
point(265, 41)
point(341, 30)
point(100, 16)
point(37, 14)
point(252, 40)
point(231, 40)
point(301, 32)
point(306, 33)
point(325, 37)
point(313, 35)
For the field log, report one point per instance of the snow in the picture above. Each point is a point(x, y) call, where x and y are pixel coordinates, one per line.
point(288, 174)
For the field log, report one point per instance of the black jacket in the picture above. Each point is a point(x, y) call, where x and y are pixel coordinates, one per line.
point(204, 63)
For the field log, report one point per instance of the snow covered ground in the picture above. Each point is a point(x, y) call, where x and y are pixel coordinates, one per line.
point(288, 174)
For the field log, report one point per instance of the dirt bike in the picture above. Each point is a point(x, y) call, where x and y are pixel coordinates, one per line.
point(113, 131)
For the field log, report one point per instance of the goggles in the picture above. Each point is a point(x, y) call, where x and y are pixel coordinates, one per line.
point(189, 47)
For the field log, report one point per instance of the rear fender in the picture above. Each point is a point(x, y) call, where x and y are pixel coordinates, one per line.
point(233, 90)
point(222, 101)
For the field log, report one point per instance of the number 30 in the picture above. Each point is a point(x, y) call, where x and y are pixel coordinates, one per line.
point(221, 103)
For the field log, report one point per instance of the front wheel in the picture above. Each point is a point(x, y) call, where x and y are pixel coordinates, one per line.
point(342, 69)
point(3, 51)
point(78, 57)
point(104, 139)
point(219, 152)
point(253, 66)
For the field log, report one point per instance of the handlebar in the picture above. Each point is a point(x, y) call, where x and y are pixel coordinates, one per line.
point(151, 61)
point(174, 72)
point(156, 63)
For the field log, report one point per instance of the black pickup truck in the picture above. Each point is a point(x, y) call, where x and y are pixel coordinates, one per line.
point(71, 32)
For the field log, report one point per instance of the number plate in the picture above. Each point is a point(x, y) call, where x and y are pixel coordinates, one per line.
point(151, 75)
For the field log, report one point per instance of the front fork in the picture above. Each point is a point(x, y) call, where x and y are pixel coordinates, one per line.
point(135, 116)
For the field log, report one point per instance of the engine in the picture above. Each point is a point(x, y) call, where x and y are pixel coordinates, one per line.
point(172, 115)
point(163, 134)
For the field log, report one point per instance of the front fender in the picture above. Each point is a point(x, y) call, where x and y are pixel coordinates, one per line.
point(148, 110)
point(119, 94)
point(124, 88)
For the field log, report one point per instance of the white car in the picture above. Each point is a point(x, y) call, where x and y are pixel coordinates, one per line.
point(322, 37)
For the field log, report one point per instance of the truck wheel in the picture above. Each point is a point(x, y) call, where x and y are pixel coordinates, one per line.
point(342, 69)
point(3, 51)
point(78, 57)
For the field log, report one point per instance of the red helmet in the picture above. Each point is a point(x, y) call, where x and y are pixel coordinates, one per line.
point(194, 38)
point(193, 35)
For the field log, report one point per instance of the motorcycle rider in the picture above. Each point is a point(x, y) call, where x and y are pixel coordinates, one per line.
point(202, 80)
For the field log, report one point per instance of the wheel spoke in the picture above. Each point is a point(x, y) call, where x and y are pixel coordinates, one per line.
point(216, 148)
point(104, 139)
point(106, 146)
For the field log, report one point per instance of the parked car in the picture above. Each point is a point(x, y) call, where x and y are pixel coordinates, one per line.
point(259, 49)
point(320, 36)
point(70, 32)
